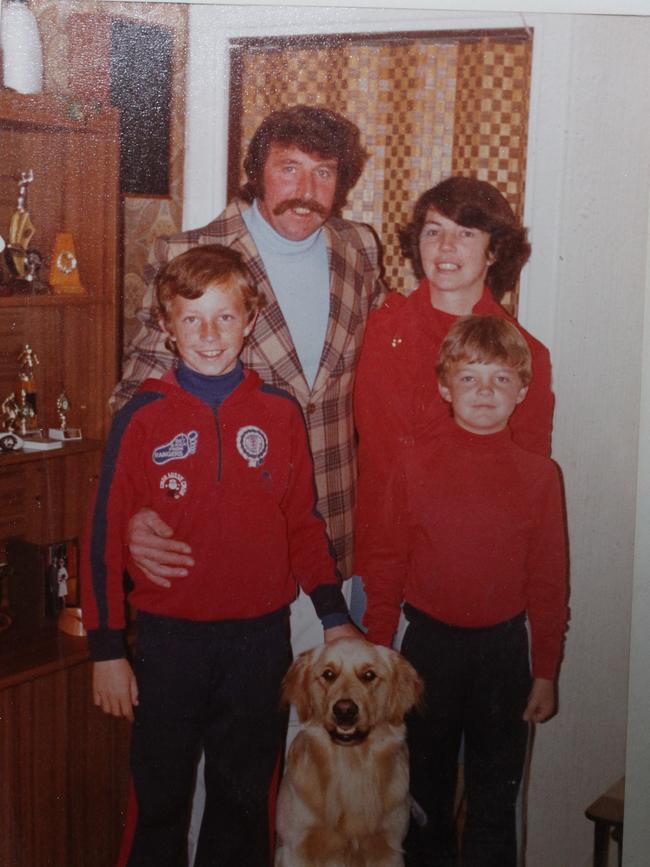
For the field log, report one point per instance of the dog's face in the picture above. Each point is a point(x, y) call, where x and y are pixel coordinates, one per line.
point(350, 686)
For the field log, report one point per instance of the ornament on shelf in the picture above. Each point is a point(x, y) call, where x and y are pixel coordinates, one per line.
point(63, 432)
point(10, 412)
point(28, 361)
point(23, 262)
point(64, 270)
point(22, 50)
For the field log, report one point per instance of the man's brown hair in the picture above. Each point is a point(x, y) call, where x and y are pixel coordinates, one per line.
point(484, 339)
point(314, 131)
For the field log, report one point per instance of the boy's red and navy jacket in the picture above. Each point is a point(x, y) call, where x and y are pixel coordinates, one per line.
point(236, 483)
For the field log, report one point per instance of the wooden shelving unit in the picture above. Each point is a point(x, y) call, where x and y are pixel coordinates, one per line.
point(63, 764)
point(74, 155)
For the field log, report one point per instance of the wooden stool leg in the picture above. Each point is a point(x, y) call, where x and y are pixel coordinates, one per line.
point(601, 844)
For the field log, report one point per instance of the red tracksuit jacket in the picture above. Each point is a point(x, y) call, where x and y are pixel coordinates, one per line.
point(236, 483)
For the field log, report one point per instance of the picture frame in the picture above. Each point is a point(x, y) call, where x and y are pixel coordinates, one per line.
point(44, 580)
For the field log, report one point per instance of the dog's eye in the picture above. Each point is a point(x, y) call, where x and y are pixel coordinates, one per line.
point(329, 675)
point(368, 676)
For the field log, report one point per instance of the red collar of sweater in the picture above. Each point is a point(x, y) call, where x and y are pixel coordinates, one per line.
point(432, 316)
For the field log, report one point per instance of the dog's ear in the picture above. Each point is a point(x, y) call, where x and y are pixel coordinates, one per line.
point(406, 688)
point(295, 686)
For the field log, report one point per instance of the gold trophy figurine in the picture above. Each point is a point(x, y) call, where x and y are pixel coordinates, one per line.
point(63, 432)
point(24, 263)
point(28, 361)
point(10, 414)
point(21, 228)
point(27, 424)
point(10, 410)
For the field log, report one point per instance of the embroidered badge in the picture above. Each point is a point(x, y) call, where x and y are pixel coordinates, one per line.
point(182, 446)
point(252, 445)
point(174, 485)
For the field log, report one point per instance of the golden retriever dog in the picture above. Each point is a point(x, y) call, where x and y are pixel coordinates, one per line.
point(344, 798)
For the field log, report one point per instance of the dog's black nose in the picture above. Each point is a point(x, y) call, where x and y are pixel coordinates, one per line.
point(345, 712)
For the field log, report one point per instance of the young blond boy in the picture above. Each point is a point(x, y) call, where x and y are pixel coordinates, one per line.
point(474, 550)
point(224, 460)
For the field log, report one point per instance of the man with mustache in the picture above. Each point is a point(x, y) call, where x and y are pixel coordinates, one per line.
point(321, 277)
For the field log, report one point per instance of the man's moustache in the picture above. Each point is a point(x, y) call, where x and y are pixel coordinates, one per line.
point(316, 207)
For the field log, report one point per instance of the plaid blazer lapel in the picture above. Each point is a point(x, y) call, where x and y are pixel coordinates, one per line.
point(270, 347)
point(340, 327)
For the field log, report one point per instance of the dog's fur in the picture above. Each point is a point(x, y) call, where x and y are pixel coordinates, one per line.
point(344, 798)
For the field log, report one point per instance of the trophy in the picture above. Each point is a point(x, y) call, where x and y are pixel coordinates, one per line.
point(24, 264)
point(10, 409)
point(27, 424)
point(64, 271)
point(63, 432)
point(9, 439)
point(27, 419)
point(27, 384)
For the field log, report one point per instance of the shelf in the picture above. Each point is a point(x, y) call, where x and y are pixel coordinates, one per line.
point(47, 111)
point(48, 300)
point(28, 654)
point(8, 459)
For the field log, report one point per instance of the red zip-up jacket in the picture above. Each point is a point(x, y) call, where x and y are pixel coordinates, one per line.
point(236, 483)
point(472, 533)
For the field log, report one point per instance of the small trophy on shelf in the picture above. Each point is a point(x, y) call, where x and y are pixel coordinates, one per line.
point(63, 432)
point(27, 403)
point(28, 361)
point(27, 424)
point(64, 270)
point(9, 412)
point(23, 262)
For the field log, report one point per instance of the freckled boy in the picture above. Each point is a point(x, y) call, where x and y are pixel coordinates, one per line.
point(224, 460)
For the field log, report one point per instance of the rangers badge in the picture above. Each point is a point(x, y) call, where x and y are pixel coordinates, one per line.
point(182, 446)
point(252, 445)
point(174, 485)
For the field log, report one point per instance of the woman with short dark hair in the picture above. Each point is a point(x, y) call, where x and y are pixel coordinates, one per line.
point(467, 248)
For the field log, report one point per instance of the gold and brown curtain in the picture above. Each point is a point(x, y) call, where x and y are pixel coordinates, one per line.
point(428, 105)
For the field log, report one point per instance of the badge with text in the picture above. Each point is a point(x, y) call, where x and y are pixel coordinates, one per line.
point(252, 445)
point(174, 485)
point(182, 446)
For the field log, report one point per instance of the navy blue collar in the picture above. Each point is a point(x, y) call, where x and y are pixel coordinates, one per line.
point(212, 390)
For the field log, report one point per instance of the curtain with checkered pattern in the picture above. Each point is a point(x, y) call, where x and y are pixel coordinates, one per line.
point(428, 105)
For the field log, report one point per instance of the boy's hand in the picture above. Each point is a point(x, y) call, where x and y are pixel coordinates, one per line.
point(541, 701)
point(115, 689)
point(158, 555)
point(345, 630)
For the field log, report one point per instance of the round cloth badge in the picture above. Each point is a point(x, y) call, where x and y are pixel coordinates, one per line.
point(174, 484)
point(252, 445)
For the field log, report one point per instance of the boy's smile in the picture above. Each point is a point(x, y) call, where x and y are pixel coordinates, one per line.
point(483, 396)
point(209, 331)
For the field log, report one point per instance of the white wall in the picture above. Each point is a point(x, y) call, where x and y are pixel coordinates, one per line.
point(598, 331)
point(587, 204)
point(637, 782)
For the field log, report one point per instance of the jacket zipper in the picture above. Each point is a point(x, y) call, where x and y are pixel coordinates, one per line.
point(219, 443)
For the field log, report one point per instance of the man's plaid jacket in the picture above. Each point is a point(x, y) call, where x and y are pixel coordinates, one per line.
point(355, 288)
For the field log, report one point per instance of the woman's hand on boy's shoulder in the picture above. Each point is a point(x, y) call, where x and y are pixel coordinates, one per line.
point(541, 701)
point(115, 689)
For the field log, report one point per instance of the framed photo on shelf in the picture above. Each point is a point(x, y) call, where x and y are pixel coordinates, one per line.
point(44, 579)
